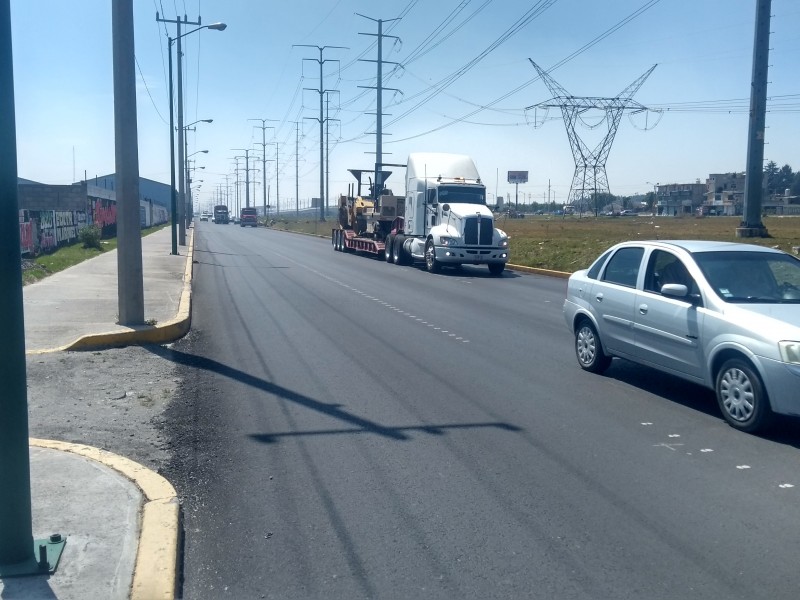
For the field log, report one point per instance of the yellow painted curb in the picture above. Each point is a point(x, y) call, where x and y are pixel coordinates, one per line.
point(536, 270)
point(156, 569)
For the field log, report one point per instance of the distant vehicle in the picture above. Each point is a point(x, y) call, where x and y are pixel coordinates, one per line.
point(249, 217)
point(221, 215)
point(204, 216)
point(723, 315)
point(627, 213)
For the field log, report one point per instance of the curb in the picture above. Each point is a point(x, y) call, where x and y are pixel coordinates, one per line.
point(155, 572)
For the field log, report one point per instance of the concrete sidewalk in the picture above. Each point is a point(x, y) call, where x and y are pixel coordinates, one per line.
point(77, 308)
point(121, 520)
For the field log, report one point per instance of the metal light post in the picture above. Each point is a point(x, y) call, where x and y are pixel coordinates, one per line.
point(189, 169)
point(178, 205)
point(188, 210)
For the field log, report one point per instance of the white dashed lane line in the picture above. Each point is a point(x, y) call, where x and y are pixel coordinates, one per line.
point(385, 304)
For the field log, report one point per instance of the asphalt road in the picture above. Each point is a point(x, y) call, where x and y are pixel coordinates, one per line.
point(352, 429)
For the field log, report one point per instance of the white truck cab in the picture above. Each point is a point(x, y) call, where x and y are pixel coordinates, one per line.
point(447, 222)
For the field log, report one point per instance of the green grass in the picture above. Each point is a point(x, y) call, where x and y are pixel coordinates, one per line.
point(571, 243)
point(68, 256)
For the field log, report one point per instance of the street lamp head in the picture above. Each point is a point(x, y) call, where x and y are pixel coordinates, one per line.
point(207, 120)
point(217, 26)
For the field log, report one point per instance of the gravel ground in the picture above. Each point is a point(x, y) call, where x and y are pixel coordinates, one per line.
point(112, 399)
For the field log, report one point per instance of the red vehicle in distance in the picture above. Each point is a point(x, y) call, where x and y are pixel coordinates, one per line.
point(248, 216)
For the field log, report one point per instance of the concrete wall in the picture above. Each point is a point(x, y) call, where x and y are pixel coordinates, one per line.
point(52, 215)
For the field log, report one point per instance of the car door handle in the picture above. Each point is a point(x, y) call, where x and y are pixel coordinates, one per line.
point(599, 297)
point(643, 309)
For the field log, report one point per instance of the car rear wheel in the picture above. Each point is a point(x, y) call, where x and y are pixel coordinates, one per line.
point(589, 350)
point(741, 396)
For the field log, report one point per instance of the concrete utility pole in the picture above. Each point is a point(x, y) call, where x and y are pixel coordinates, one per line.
point(379, 104)
point(327, 150)
point(16, 531)
point(246, 174)
point(321, 120)
point(264, 128)
point(237, 191)
point(752, 226)
point(297, 168)
point(130, 277)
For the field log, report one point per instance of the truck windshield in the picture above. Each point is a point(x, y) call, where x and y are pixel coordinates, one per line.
point(457, 194)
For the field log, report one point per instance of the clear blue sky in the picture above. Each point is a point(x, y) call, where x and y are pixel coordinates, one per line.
point(64, 87)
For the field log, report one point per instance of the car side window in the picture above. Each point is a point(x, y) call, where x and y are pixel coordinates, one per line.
point(623, 267)
point(594, 270)
point(663, 268)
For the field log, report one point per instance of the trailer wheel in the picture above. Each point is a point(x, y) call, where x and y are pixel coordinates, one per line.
point(398, 254)
point(333, 238)
point(431, 263)
point(387, 248)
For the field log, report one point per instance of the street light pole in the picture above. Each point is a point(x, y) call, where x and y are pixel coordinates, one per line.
point(188, 204)
point(173, 202)
point(178, 215)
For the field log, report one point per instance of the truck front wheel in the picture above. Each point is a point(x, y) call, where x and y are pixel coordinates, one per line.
point(497, 268)
point(431, 263)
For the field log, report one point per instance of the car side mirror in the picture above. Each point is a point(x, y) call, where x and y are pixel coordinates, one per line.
point(675, 290)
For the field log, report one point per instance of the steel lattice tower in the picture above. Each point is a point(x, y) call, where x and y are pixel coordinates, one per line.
point(590, 163)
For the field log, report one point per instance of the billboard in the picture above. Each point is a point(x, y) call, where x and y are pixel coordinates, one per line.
point(517, 177)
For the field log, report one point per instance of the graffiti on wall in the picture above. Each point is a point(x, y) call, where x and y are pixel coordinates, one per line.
point(45, 230)
point(67, 225)
point(104, 214)
point(26, 245)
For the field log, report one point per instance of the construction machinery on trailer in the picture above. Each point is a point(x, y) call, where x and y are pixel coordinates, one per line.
point(442, 220)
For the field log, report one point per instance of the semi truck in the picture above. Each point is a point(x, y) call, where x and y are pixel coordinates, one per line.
point(442, 220)
point(221, 214)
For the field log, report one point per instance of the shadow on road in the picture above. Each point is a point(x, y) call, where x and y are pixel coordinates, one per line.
point(358, 424)
point(786, 430)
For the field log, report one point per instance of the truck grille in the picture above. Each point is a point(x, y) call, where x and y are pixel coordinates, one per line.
point(475, 235)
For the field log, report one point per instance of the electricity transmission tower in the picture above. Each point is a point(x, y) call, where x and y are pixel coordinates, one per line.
point(590, 178)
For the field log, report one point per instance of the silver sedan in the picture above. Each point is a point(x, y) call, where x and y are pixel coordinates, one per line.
point(724, 315)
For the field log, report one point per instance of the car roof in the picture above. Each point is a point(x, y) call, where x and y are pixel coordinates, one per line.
point(693, 246)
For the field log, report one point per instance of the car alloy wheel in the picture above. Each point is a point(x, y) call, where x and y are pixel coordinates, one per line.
point(741, 396)
point(589, 350)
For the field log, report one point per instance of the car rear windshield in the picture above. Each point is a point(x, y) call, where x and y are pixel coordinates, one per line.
point(752, 277)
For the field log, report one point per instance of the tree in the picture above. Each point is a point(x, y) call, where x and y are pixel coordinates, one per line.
point(778, 180)
point(795, 187)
